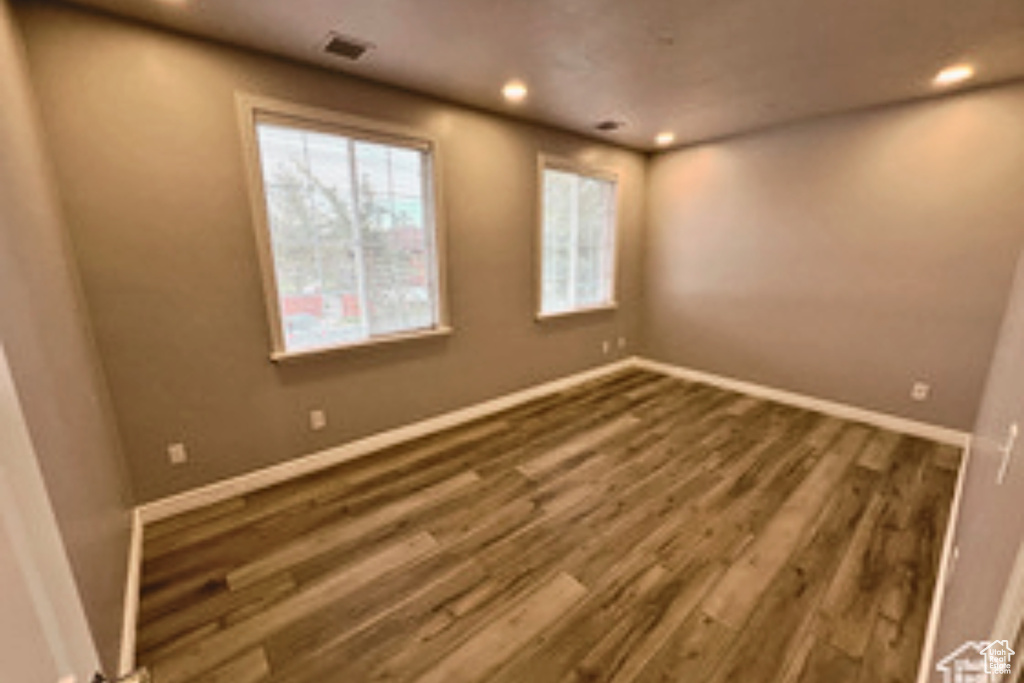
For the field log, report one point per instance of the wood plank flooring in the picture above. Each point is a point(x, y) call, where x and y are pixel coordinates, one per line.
point(633, 529)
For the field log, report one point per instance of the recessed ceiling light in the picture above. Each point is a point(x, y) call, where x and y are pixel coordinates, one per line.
point(666, 138)
point(514, 91)
point(953, 75)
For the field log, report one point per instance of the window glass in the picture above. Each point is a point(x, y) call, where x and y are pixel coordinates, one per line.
point(352, 236)
point(578, 242)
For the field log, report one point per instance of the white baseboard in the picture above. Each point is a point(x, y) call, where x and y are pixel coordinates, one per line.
point(131, 597)
point(946, 569)
point(1011, 608)
point(229, 488)
point(246, 483)
point(221, 491)
point(883, 420)
point(841, 410)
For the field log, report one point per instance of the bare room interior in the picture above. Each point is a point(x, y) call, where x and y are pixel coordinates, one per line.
point(511, 342)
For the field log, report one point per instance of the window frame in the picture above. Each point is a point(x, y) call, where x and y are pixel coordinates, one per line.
point(253, 109)
point(558, 163)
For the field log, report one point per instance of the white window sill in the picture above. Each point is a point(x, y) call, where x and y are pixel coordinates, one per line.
point(290, 356)
point(577, 311)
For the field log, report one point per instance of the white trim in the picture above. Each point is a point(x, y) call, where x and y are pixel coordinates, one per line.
point(847, 412)
point(133, 585)
point(945, 571)
point(428, 333)
point(12, 526)
point(219, 491)
point(922, 429)
point(246, 483)
point(1011, 607)
point(596, 308)
point(28, 522)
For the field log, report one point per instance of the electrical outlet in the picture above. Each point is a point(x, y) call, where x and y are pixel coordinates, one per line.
point(177, 454)
point(317, 419)
point(606, 347)
point(622, 342)
point(920, 391)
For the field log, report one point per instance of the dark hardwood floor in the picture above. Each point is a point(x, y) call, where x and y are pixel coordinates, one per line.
point(633, 529)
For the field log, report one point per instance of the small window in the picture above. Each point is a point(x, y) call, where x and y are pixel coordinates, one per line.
point(577, 240)
point(349, 232)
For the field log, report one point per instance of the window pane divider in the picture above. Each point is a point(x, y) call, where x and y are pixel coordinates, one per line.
point(357, 226)
point(574, 241)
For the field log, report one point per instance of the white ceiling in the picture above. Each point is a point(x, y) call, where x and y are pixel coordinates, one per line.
point(701, 68)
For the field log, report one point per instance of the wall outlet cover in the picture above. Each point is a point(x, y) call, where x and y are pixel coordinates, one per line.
point(177, 454)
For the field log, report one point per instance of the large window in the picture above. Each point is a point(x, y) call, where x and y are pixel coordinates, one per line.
point(349, 232)
point(577, 240)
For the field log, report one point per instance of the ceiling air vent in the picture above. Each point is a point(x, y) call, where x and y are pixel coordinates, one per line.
point(346, 46)
point(609, 126)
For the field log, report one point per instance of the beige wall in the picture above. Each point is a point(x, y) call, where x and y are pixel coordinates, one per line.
point(146, 142)
point(990, 532)
point(844, 258)
point(53, 362)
